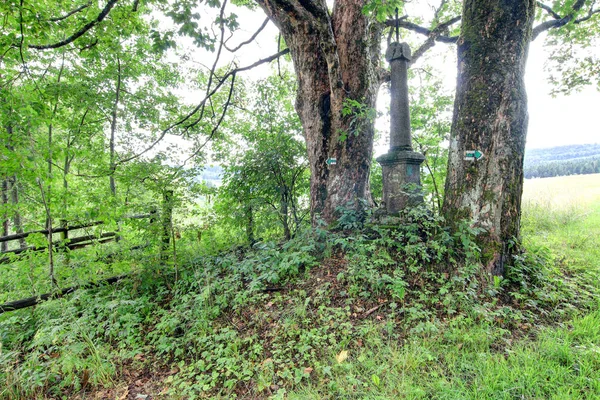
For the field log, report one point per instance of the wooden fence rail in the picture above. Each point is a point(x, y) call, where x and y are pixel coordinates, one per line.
point(23, 235)
point(72, 244)
point(67, 243)
point(32, 301)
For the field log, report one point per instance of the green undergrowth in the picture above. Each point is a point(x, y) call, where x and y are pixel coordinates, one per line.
point(385, 312)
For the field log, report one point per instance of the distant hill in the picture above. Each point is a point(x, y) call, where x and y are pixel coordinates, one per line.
point(562, 161)
point(575, 159)
point(212, 175)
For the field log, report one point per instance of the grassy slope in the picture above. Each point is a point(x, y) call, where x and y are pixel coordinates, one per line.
point(321, 337)
point(470, 360)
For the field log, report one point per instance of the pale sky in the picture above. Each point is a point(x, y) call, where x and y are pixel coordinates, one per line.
point(562, 120)
point(552, 121)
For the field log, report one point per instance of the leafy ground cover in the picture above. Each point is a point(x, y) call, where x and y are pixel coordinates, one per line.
point(383, 313)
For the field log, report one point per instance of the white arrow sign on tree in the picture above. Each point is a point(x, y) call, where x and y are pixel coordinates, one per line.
point(473, 155)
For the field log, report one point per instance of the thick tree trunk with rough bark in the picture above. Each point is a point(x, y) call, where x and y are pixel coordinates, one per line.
point(490, 115)
point(335, 56)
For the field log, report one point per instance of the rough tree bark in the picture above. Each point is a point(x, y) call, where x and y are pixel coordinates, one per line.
point(490, 115)
point(335, 56)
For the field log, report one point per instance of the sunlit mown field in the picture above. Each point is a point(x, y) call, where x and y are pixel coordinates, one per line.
point(563, 191)
point(563, 214)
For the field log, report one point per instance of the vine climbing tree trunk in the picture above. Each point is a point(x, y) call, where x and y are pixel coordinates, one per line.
point(17, 222)
point(113, 131)
point(490, 115)
point(336, 57)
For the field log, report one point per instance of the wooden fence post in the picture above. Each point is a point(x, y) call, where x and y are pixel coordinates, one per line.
point(167, 221)
point(64, 237)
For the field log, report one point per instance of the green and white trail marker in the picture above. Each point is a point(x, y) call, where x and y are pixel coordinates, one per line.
point(331, 161)
point(473, 155)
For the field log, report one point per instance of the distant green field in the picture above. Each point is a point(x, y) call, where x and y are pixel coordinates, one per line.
point(557, 192)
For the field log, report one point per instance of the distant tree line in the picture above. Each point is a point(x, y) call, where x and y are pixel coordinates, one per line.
point(562, 161)
point(570, 152)
point(548, 169)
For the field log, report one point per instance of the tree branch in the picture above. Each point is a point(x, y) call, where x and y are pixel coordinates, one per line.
point(80, 32)
point(216, 127)
point(589, 15)
point(67, 15)
point(214, 66)
point(433, 35)
point(427, 32)
point(437, 31)
point(562, 21)
point(265, 22)
point(548, 10)
point(203, 102)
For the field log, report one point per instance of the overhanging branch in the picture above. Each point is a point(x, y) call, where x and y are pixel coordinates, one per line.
point(437, 34)
point(239, 46)
point(589, 15)
point(437, 31)
point(561, 21)
point(203, 102)
point(80, 32)
point(67, 15)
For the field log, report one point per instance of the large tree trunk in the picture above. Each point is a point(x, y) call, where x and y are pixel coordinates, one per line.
point(335, 58)
point(490, 115)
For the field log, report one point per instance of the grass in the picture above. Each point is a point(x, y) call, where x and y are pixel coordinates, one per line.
point(472, 361)
point(469, 359)
point(568, 223)
point(560, 191)
point(349, 325)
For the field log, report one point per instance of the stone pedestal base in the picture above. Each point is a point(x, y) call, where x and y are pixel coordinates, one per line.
point(401, 179)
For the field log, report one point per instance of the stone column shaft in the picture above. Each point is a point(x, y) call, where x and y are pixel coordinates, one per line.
point(401, 165)
point(398, 55)
point(399, 112)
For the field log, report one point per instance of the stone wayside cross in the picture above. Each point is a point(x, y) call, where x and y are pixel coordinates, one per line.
point(401, 165)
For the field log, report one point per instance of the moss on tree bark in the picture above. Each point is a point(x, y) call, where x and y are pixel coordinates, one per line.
point(490, 115)
point(336, 57)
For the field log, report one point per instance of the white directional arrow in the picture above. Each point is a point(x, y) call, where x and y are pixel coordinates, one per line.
point(473, 155)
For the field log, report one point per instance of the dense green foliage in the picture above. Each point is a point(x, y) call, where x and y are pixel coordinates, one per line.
point(366, 314)
point(229, 292)
point(265, 178)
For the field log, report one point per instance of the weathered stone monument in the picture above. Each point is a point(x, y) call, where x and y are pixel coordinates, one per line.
point(401, 165)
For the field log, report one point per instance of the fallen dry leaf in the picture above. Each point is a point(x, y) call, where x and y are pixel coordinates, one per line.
point(342, 356)
point(124, 395)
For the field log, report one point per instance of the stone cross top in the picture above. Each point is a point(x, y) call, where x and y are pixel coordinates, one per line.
point(401, 166)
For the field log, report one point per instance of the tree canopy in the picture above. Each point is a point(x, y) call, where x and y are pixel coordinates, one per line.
point(90, 89)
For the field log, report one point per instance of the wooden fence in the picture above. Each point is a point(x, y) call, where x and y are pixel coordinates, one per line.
point(72, 243)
